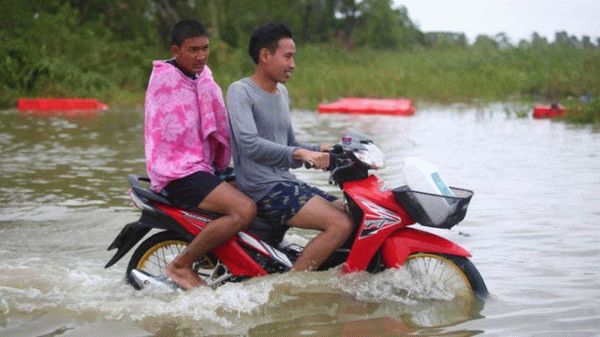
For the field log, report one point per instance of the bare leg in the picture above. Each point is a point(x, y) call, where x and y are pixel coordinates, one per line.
point(335, 227)
point(238, 210)
point(339, 203)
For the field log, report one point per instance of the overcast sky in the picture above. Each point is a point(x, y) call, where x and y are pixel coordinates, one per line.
point(517, 18)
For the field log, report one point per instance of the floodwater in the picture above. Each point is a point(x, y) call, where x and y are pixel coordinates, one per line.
point(532, 227)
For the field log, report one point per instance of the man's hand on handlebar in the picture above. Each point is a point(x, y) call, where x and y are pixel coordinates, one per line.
point(318, 160)
point(325, 147)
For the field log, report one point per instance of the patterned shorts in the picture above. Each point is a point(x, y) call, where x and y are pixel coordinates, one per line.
point(286, 199)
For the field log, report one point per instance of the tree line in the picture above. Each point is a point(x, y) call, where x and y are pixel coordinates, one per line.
point(103, 47)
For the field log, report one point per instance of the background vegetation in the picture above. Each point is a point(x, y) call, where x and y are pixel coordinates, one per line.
point(104, 48)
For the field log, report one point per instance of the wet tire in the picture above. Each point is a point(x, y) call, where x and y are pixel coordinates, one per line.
point(454, 272)
point(154, 253)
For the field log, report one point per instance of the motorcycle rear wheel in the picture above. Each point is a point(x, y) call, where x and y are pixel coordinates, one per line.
point(154, 253)
point(455, 273)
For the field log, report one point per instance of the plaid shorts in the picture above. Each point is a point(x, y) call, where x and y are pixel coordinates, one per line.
point(286, 199)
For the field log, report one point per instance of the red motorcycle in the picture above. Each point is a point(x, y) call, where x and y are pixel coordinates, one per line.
point(383, 236)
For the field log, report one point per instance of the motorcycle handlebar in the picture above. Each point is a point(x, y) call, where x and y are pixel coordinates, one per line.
point(309, 164)
point(339, 159)
point(333, 154)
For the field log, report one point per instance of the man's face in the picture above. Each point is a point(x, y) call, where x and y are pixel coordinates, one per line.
point(192, 55)
point(280, 64)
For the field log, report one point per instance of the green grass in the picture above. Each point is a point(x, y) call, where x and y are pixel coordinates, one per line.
point(325, 73)
point(463, 75)
point(582, 113)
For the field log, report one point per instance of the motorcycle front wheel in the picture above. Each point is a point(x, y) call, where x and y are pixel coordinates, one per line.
point(455, 273)
point(154, 253)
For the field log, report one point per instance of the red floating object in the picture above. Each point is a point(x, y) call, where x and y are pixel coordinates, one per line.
point(352, 105)
point(548, 111)
point(60, 104)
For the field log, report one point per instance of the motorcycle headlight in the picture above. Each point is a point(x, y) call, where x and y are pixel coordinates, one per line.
point(372, 156)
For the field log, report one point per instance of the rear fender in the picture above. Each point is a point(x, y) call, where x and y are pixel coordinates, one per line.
point(406, 241)
point(130, 235)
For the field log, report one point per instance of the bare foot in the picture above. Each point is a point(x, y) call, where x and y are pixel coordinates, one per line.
point(186, 278)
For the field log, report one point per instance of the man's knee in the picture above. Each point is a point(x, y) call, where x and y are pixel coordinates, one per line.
point(341, 224)
point(346, 226)
point(244, 213)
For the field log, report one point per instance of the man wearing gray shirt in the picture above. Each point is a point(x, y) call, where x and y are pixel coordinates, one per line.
point(265, 148)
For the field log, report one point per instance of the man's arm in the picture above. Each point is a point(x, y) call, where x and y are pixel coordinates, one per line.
point(244, 132)
point(310, 153)
point(293, 142)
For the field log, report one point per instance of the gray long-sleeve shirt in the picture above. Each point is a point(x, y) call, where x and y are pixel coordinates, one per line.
point(262, 137)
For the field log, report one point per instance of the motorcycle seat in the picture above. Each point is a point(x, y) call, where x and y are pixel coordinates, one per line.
point(148, 194)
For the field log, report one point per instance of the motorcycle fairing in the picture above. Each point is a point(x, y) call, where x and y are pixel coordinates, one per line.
point(381, 215)
point(377, 219)
point(192, 222)
point(237, 260)
point(229, 252)
point(406, 241)
point(264, 249)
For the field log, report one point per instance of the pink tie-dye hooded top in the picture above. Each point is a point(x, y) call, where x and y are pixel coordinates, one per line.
point(186, 128)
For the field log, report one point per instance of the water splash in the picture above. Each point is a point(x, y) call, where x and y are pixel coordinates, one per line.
point(394, 285)
point(86, 290)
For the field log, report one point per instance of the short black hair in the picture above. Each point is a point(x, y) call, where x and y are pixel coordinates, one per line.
point(267, 36)
point(186, 29)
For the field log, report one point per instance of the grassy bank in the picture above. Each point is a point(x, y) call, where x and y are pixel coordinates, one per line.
point(445, 75)
point(530, 75)
point(325, 73)
point(582, 113)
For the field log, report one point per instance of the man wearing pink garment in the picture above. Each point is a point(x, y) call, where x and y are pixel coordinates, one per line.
point(187, 141)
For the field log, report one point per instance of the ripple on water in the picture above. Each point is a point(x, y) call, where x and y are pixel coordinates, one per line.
point(532, 230)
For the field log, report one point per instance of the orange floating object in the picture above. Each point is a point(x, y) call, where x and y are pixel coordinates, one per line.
point(353, 105)
point(548, 111)
point(60, 104)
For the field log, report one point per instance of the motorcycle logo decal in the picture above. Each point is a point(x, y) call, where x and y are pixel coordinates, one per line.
point(380, 218)
point(196, 217)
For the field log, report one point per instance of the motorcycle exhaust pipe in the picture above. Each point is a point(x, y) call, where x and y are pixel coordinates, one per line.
point(144, 279)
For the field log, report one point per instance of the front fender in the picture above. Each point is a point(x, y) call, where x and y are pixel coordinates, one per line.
point(406, 241)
